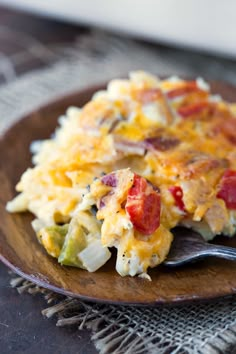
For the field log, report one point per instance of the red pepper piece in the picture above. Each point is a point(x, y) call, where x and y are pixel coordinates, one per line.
point(186, 88)
point(143, 206)
point(177, 193)
point(192, 109)
point(227, 190)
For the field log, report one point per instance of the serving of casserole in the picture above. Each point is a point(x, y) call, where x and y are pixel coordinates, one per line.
point(142, 157)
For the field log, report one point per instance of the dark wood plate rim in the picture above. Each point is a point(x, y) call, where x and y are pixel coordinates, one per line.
point(177, 301)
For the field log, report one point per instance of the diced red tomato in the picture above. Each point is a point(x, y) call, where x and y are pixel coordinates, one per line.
point(177, 193)
point(192, 109)
point(188, 87)
point(143, 206)
point(227, 190)
point(229, 173)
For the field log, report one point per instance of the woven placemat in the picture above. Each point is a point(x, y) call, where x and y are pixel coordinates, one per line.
point(198, 328)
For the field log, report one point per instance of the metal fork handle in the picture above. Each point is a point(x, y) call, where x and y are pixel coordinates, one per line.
point(222, 252)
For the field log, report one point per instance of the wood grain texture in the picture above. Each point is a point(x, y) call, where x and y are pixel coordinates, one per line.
point(20, 250)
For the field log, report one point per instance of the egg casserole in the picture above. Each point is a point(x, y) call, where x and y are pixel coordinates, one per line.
point(142, 157)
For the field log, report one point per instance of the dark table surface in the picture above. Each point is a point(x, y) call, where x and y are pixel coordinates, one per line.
point(23, 329)
point(28, 42)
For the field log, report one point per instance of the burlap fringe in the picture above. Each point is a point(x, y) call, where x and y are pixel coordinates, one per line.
point(222, 343)
point(109, 336)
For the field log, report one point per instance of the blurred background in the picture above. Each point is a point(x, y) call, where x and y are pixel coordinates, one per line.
point(187, 37)
point(204, 24)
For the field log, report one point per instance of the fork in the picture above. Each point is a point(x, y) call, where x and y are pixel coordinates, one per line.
point(189, 246)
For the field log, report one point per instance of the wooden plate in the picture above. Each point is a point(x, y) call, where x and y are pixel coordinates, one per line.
point(20, 250)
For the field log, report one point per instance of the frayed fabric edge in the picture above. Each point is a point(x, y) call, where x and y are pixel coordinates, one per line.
point(110, 336)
